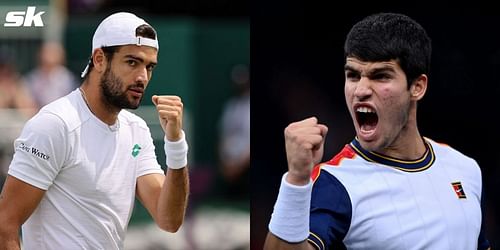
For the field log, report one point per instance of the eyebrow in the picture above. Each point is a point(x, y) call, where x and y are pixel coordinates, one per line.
point(139, 59)
point(350, 68)
point(371, 72)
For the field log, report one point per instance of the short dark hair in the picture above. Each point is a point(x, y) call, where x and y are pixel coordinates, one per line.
point(391, 36)
point(143, 31)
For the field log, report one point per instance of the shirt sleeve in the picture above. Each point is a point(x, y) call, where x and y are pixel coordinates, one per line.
point(483, 243)
point(331, 213)
point(40, 151)
point(148, 163)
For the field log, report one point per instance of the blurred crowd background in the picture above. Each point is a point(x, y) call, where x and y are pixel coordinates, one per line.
point(204, 58)
point(297, 65)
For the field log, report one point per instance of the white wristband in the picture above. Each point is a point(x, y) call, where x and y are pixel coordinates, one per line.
point(290, 218)
point(176, 152)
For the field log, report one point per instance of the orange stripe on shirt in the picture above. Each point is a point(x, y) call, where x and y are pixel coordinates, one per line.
point(346, 152)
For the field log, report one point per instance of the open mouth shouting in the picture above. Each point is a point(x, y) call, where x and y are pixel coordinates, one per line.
point(367, 120)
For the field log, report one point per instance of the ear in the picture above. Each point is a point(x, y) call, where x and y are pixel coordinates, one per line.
point(99, 60)
point(418, 88)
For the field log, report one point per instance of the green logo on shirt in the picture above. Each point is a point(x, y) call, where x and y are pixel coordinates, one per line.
point(135, 150)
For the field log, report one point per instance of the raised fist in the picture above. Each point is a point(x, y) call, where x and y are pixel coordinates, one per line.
point(304, 142)
point(169, 109)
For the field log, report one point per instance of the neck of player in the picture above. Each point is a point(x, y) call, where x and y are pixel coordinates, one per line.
point(95, 102)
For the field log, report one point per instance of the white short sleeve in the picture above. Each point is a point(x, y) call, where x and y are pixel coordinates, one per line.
point(148, 163)
point(40, 151)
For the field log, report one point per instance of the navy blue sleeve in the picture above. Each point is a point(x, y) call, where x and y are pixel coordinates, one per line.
point(331, 212)
point(482, 242)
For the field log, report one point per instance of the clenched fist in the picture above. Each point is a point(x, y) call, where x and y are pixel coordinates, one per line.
point(169, 109)
point(304, 142)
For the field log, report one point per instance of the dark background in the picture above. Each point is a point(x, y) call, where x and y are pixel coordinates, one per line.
point(297, 71)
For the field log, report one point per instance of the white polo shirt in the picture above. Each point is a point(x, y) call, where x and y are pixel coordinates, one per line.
point(89, 171)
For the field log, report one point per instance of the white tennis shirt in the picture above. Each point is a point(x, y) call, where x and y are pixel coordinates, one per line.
point(365, 200)
point(89, 171)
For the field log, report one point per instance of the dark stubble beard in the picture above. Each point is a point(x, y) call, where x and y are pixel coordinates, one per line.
point(113, 93)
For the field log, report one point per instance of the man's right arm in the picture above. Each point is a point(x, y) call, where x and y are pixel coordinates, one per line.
point(275, 243)
point(304, 142)
point(18, 200)
point(40, 152)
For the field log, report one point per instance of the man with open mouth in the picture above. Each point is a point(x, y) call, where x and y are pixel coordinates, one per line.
point(390, 187)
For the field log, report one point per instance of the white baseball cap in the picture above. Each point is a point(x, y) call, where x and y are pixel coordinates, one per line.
point(119, 29)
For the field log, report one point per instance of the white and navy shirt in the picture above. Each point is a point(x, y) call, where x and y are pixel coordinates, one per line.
point(89, 171)
point(365, 200)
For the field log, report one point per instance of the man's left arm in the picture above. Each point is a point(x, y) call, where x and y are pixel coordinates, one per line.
point(165, 196)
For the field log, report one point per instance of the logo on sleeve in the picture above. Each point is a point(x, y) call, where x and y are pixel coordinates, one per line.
point(136, 150)
point(34, 151)
point(459, 190)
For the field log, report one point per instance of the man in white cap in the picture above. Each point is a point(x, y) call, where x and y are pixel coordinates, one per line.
point(82, 160)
